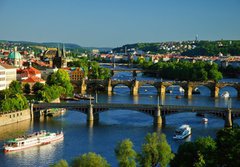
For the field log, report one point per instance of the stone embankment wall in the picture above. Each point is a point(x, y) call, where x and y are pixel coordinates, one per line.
point(14, 117)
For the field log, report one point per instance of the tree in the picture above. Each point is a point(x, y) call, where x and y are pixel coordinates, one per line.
point(228, 147)
point(155, 151)
point(125, 153)
point(197, 153)
point(61, 163)
point(15, 87)
point(37, 87)
point(27, 89)
point(61, 78)
point(90, 160)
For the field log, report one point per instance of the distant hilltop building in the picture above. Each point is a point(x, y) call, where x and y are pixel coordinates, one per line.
point(55, 57)
point(15, 58)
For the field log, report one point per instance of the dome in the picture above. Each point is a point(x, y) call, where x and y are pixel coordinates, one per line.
point(15, 55)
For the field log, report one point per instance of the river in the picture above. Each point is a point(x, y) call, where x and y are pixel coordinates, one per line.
point(114, 126)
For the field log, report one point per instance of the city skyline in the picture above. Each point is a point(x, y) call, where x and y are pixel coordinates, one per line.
point(112, 23)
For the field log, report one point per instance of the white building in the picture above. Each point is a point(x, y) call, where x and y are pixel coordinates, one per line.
point(8, 74)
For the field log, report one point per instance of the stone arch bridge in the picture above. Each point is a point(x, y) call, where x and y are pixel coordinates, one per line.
point(156, 111)
point(161, 86)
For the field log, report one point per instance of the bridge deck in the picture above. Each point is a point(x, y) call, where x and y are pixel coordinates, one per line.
point(135, 107)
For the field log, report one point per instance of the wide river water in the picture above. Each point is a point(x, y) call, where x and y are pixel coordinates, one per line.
point(113, 126)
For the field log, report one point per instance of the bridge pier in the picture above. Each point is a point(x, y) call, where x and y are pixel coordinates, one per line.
point(215, 92)
point(90, 116)
point(162, 90)
point(228, 118)
point(188, 91)
point(109, 87)
point(135, 88)
point(157, 117)
point(134, 74)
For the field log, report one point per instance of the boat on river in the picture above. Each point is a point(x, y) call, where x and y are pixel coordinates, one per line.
point(35, 139)
point(182, 132)
point(204, 120)
point(196, 91)
point(225, 94)
point(84, 97)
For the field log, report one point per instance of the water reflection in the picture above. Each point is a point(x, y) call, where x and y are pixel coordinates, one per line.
point(15, 129)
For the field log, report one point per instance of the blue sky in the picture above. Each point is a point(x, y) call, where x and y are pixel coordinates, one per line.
point(113, 23)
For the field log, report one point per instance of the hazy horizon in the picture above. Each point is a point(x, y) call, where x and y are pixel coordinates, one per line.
point(112, 23)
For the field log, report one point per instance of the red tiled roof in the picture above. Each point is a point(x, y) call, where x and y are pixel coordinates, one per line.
point(33, 79)
point(30, 70)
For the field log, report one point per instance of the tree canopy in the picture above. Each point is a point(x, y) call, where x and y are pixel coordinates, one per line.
point(90, 160)
point(125, 153)
point(61, 78)
point(155, 151)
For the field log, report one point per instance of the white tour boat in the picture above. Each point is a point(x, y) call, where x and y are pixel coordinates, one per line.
point(38, 138)
point(182, 132)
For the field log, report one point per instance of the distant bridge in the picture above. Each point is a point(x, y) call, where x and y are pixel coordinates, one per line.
point(158, 112)
point(161, 86)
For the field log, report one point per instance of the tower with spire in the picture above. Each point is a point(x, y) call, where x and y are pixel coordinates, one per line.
point(59, 60)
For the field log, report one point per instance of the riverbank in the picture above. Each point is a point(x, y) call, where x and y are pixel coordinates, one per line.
point(14, 117)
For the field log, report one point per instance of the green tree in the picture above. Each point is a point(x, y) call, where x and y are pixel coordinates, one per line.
point(15, 87)
point(61, 78)
point(202, 151)
point(228, 147)
point(90, 160)
point(155, 151)
point(61, 163)
point(37, 87)
point(125, 153)
point(26, 88)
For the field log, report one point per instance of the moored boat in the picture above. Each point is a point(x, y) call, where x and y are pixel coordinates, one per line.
point(225, 94)
point(205, 120)
point(35, 139)
point(182, 132)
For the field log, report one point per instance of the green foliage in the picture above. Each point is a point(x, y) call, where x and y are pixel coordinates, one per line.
point(228, 147)
point(125, 153)
point(50, 93)
point(90, 160)
point(211, 48)
point(61, 78)
point(197, 153)
point(92, 69)
point(14, 104)
point(15, 87)
point(155, 151)
point(61, 163)
point(37, 87)
point(198, 71)
point(26, 88)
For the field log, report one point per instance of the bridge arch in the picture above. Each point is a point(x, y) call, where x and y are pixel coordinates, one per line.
point(202, 90)
point(175, 89)
point(122, 86)
point(231, 89)
point(146, 88)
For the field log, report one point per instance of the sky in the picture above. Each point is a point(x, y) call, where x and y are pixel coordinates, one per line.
point(113, 23)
